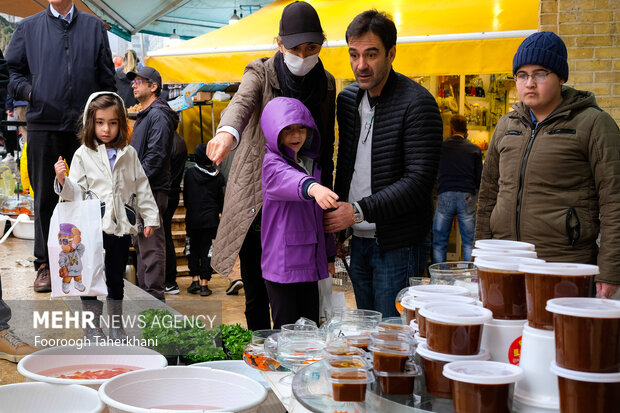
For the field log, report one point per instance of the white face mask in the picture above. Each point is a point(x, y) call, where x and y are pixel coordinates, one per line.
point(298, 65)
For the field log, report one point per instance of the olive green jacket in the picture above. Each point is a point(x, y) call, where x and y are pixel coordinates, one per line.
point(557, 185)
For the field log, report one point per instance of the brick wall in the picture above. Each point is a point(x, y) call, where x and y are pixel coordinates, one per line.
point(590, 29)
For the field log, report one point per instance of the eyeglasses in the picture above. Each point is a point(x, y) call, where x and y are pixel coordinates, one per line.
point(538, 77)
point(137, 82)
point(64, 241)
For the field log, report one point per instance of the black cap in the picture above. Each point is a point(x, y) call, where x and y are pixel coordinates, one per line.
point(300, 24)
point(147, 73)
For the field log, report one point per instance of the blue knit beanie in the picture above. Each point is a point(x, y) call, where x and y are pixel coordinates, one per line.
point(545, 49)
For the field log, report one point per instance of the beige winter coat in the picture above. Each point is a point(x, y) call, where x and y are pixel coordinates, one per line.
point(557, 186)
point(90, 171)
point(243, 199)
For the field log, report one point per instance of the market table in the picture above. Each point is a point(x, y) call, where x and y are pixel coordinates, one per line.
point(310, 394)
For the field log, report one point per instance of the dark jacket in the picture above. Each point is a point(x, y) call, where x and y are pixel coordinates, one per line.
point(203, 196)
point(460, 168)
point(406, 146)
point(152, 138)
point(67, 63)
point(4, 80)
point(178, 156)
point(123, 85)
point(556, 186)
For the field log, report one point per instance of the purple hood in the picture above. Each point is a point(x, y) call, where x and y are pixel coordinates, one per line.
point(295, 247)
point(282, 112)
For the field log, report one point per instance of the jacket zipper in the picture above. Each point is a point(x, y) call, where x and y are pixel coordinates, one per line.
point(522, 172)
point(68, 54)
point(522, 176)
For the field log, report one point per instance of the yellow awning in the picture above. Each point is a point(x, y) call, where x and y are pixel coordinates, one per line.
point(434, 38)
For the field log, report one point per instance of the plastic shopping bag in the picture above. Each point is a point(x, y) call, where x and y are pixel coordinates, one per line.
point(75, 248)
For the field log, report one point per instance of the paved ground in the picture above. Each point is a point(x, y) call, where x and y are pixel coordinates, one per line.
point(17, 282)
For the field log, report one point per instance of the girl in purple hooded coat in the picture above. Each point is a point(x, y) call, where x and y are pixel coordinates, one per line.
point(295, 248)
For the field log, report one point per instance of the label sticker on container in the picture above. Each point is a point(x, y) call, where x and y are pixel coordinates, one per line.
point(514, 352)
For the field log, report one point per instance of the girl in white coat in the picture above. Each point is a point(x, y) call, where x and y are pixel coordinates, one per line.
point(107, 167)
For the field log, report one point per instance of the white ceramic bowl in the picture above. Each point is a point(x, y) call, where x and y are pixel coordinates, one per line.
point(66, 359)
point(49, 398)
point(182, 388)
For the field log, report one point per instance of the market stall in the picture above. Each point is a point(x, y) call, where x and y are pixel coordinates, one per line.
point(435, 40)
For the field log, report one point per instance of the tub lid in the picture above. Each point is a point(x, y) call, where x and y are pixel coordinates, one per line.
point(498, 322)
point(504, 244)
point(428, 354)
point(409, 302)
point(560, 268)
point(585, 307)
point(504, 263)
point(358, 375)
point(584, 376)
point(418, 290)
point(482, 372)
point(394, 328)
point(481, 252)
point(434, 298)
point(456, 313)
point(411, 370)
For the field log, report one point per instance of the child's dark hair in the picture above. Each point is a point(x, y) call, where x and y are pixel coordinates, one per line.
point(87, 133)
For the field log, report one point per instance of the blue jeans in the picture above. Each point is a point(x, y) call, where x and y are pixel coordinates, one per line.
point(449, 204)
point(377, 278)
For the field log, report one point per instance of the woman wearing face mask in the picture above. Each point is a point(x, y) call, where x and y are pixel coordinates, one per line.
point(297, 72)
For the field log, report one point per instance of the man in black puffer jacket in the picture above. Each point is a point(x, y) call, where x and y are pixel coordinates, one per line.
point(57, 58)
point(388, 156)
point(152, 138)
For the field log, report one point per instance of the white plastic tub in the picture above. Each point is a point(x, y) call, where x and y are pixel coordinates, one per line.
point(24, 227)
point(48, 398)
point(66, 358)
point(182, 388)
point(503, 340)
point(539, 386)
point(235, 366)
point(501, 244)
point(3, 220)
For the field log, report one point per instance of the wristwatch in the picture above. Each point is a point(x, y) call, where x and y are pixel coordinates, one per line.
point(357, 215)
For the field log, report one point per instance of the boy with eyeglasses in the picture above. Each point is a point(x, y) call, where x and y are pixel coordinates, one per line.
point(552, 172)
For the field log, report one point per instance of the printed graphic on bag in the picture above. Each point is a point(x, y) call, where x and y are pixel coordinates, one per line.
point(70, 258)
point(75, 248)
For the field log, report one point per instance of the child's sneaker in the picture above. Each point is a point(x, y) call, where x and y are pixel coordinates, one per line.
point(79, 286)
point(194, 287)
point(65, 288)
point(171, 288)
point(205, 291)
point(12, 348)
